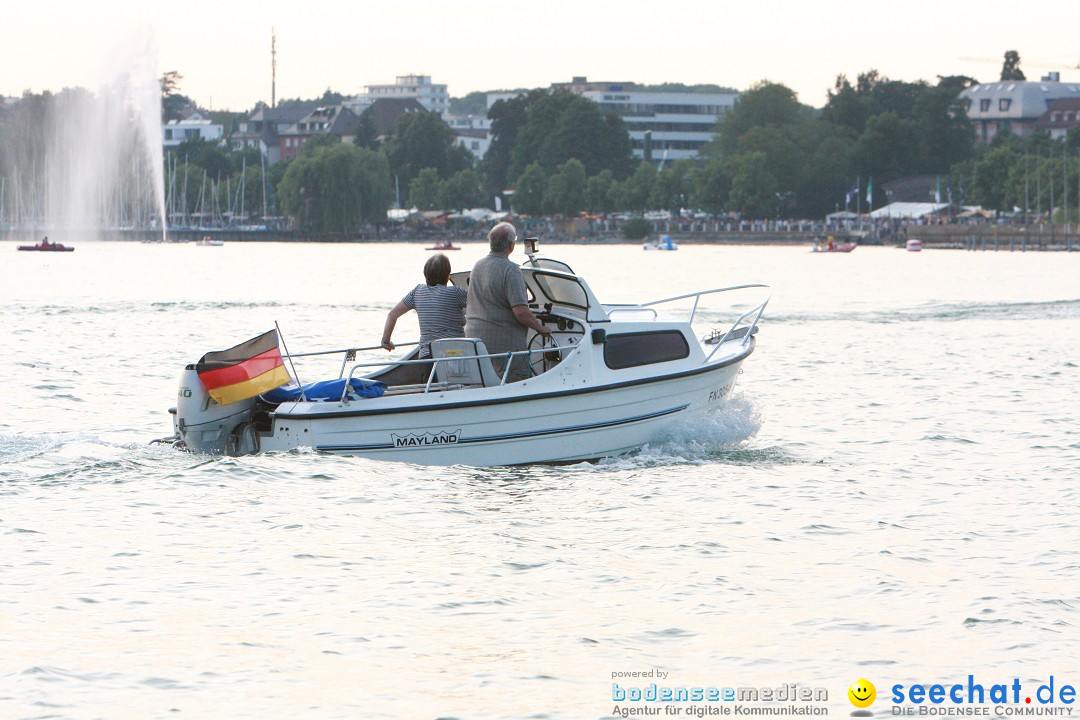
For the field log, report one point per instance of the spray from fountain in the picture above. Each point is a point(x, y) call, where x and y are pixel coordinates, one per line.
point(88, 164)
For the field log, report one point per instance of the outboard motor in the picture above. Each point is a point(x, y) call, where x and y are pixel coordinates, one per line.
point(203, 425)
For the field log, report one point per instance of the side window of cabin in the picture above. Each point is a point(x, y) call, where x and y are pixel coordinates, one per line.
point(629, 350)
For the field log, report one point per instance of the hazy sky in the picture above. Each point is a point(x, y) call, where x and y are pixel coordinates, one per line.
point(222, 48)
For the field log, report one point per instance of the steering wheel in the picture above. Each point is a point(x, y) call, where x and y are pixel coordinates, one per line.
point(541, 362)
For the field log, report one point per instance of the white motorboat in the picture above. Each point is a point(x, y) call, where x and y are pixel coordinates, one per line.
point(606, 382)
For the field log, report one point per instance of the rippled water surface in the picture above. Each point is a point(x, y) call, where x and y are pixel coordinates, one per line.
point(891, 494)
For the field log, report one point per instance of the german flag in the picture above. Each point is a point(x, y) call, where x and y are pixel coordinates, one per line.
point(243, 371)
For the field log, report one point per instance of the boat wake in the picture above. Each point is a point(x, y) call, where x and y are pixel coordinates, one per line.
point(721, 436)
point(65, 458)
point(1048, 310)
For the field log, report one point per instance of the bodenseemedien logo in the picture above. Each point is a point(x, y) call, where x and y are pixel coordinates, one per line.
point(862, 694)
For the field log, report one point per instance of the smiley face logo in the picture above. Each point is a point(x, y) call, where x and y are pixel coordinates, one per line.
point(862, 693)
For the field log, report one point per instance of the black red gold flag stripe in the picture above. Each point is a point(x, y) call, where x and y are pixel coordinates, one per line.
point(243, 371)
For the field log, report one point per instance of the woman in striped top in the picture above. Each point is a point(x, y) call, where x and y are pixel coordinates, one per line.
point(439, 307)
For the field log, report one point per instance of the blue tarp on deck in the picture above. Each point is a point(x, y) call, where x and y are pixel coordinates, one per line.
point(324, 390)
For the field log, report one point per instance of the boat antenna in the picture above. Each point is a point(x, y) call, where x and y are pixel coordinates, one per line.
point(291, 363)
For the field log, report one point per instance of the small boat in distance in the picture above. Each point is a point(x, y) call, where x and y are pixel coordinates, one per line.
point(46, 246)
point(664, 243)
point(830, 245)
point(444, 245)
point(914, 245)
point(208, 241)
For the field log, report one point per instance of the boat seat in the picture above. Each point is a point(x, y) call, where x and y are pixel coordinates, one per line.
point(463, 366)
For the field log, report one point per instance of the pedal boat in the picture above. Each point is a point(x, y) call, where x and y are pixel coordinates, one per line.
point(607, 381)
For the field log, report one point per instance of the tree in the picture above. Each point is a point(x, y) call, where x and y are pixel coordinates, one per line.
point(564, 126)
point(424, 190)
point(791, 139)
point(329, 98)
point(598, 192)
point(638, 188)
point(884, 150)
point(173, 104)
point(762, 105)
point(336, 189)
point(507, 118)
point(367, 135)
point(1010, 68)
point(673, 186)
point(565, 193)
point(475, 103)
point(529, 191)
point(873, 94)
point(711, 186)
point(211, 157)
point(461, 190)
point(845, 107)
point(1072, 138)
point(956, 82)
point(753, 187)
point(990, 178)
point(315, 143)
point(902, 128)
point(170, 83)
point(829, 169)
point(423, 140)
point(946, 136)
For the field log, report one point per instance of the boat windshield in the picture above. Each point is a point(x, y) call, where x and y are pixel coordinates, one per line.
point(544, 286)
point(561, 289)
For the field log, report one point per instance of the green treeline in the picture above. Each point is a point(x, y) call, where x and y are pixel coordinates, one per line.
point(559, 154)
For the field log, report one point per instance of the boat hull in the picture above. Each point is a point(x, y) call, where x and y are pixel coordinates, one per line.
point(531, 427)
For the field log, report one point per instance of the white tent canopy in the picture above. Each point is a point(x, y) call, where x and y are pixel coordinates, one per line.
point(908, 210)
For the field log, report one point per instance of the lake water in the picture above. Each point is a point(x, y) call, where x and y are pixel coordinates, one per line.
point(891, 494)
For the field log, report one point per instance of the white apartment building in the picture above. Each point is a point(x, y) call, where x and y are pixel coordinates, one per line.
point(472, 132)
point(193, 126)
point(432, 96)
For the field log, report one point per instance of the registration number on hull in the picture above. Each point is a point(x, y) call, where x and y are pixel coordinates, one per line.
point(719, 393)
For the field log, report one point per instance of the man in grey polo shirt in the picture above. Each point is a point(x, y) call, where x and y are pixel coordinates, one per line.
point(497, 310)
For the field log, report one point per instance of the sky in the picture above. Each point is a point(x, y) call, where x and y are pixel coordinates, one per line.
point(222, 48)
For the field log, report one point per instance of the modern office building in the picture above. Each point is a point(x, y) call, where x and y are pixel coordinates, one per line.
point(664, 126)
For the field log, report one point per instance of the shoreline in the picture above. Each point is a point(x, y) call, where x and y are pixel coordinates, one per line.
point(971, 238)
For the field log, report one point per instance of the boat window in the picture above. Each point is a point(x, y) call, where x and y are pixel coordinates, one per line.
point(626, 350)
point(562, 290)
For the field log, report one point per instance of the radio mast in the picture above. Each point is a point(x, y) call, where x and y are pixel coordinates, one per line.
point(273, 67)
